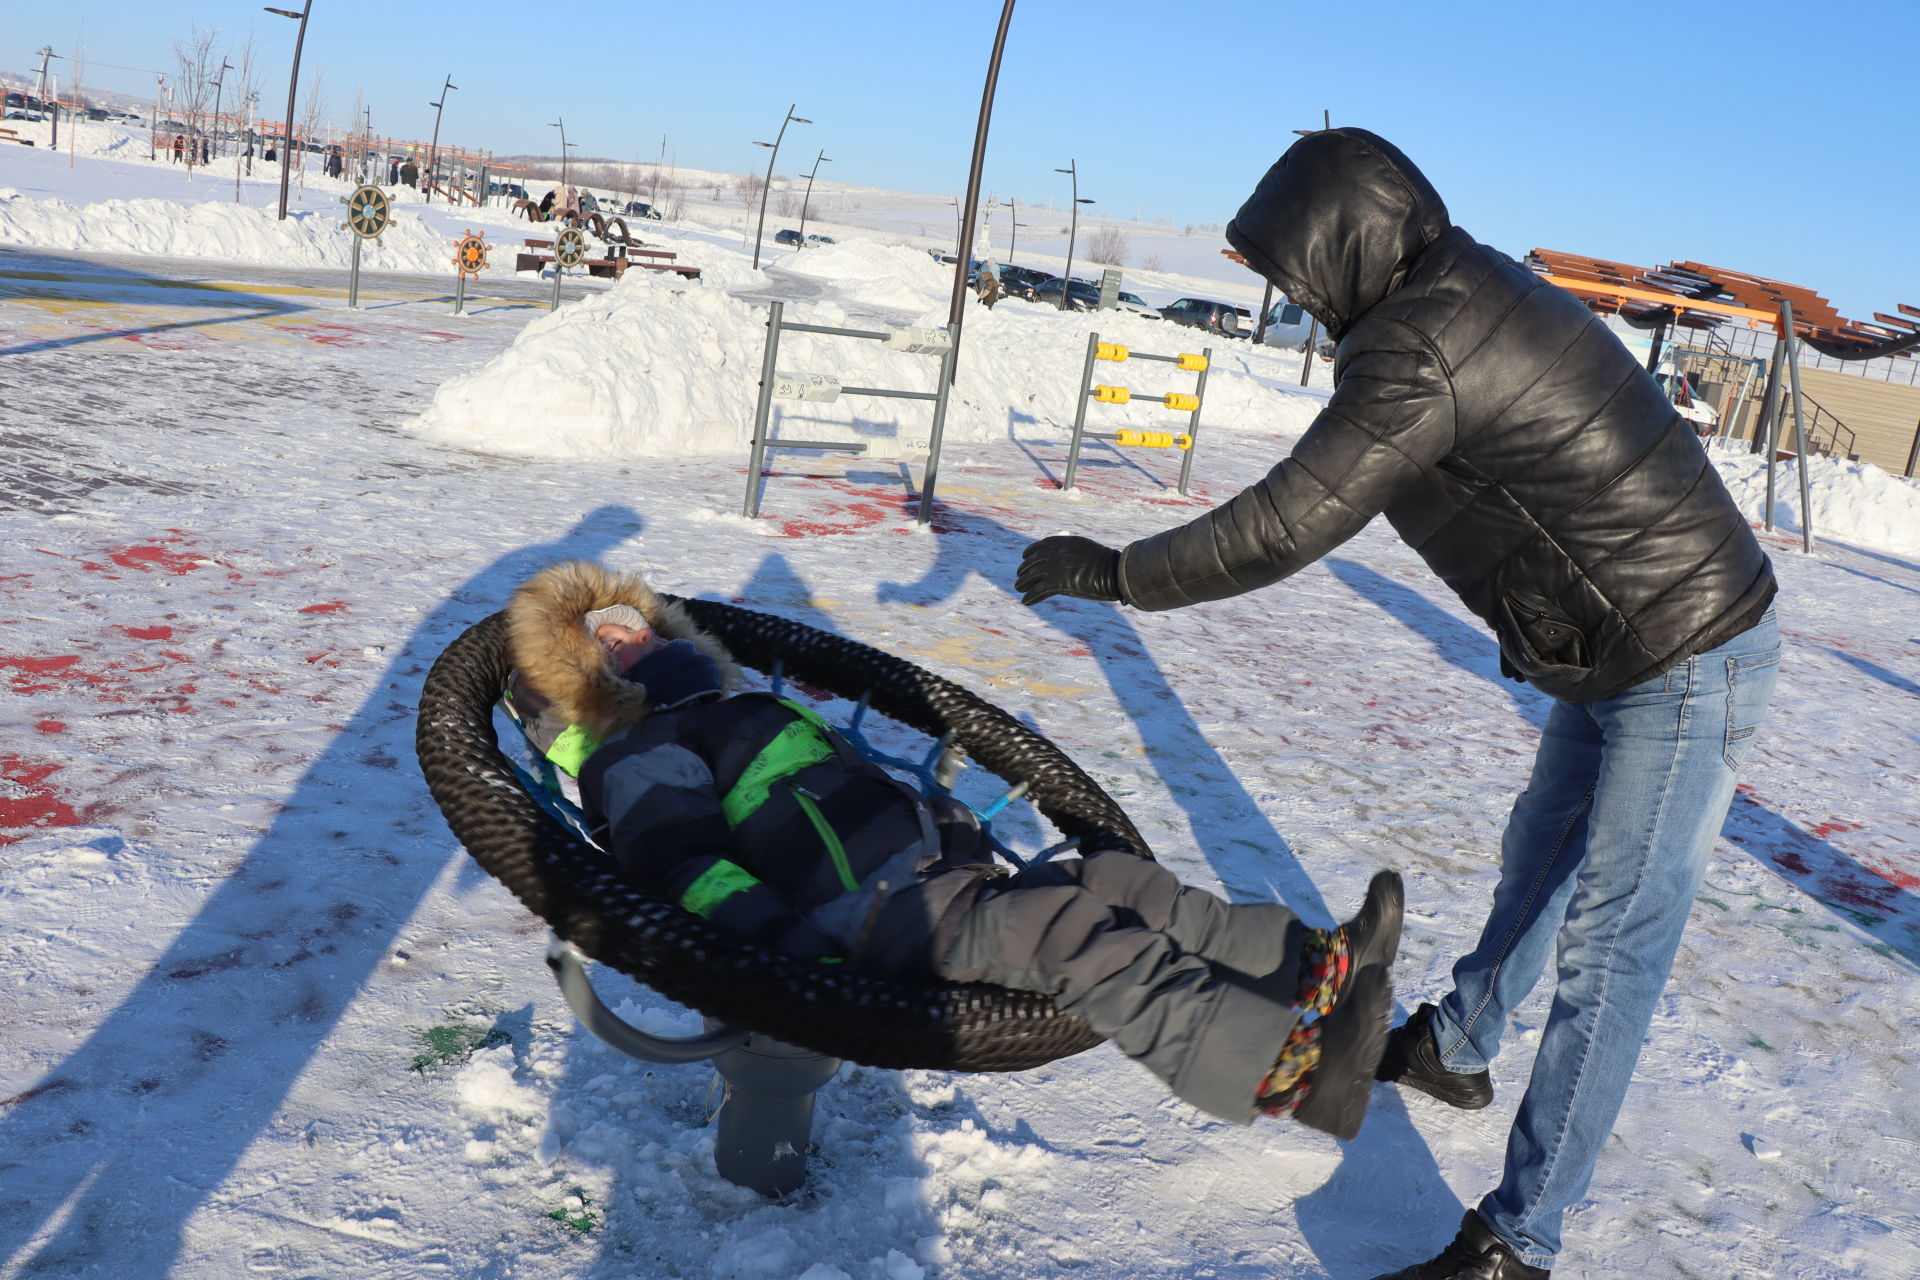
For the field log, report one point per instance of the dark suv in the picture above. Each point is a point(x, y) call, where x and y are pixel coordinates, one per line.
point(788, 236)
point(1215, 317)
point(1021, 281)
point(1082, 295)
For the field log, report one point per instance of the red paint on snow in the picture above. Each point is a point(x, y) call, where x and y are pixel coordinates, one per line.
point(1832, 827)
point(40, 806)
point(149, 633)
point(50, 726)
point(146, 558)
point(331, 606)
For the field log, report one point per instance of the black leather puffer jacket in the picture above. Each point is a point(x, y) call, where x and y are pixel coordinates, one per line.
point(1506, 434)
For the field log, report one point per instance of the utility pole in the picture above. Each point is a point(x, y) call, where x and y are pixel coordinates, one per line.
point(1073, 229)
point(46, 51)
point(293, 82)
point(214, 134)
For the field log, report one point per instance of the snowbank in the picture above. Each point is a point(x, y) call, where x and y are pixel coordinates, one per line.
point(1853, 502)
point(657, 367)
point(226, 232)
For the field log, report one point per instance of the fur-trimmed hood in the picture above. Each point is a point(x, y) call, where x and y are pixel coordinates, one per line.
point(559, 661)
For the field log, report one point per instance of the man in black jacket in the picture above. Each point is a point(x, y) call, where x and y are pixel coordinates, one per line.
point(1515, 444)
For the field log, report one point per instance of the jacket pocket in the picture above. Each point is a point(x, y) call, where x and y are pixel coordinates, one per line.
point(1544, 639)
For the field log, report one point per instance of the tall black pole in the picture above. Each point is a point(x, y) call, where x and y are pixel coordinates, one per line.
point(775, 144)
point(433, 148)
point(1013, 225)
point(818, 160)
point(293, 83)
point(1073, 229)
point(963, 259)
point(225, 67)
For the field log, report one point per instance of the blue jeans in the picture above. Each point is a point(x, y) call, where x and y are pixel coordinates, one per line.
point(1605, 849)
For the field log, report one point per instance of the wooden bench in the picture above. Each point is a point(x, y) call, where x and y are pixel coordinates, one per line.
point(13, 135)
point(614, 266)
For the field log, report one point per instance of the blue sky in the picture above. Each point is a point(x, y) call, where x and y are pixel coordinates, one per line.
point(1737, 134)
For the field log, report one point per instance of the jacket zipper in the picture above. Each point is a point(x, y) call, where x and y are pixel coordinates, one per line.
point(828, 836)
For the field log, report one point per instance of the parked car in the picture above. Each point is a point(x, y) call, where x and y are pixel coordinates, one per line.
point(1020, 282)
point(511, 190)
point(788, 236)
point(1082, 295)
point(1203, 313)
point(26, 115)
point(1289, 326)
point(640, 209)
point(1133, 304)
point(812, 239)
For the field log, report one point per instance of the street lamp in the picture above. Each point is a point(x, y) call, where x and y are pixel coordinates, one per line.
point(159, 85)
point(560, 123)
point(822, 158)
point(775, 144)
point(1013, 237)
point(963, 258)
point(1073, 229)
point(293, 83)
point(433, 148)
point(46, 51)
point(225, 67)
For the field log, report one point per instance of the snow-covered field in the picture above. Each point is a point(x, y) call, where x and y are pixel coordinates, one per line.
point(267, 1018)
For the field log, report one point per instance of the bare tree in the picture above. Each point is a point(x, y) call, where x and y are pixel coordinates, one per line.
point(1152, 263)
point(195, 66)
point(243, 89)
point(310, 113)
point(746, 188)
point(787, 205)
point(1108, 245)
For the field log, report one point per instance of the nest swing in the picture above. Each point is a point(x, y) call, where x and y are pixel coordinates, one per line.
point(589, 902)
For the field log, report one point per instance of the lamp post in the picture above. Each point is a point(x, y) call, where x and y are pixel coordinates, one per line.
point(253, 138)
point(560, 123)
point(822, 158)
point(433, 148)
point(957, 304)
point(775, 144)
point(293, 83)
point(1013, 219)
point(1073, 229)
point(46, 51)
point(159, 86)
point(213, 136)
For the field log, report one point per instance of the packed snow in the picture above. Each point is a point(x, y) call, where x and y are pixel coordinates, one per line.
point(269, 1018)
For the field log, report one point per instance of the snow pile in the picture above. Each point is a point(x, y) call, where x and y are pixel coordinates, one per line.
point(888, 275)
point(227, 232)
point(657, 367)
point(1854, 502)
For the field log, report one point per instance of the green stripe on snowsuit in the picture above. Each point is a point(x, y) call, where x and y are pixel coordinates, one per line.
point(803, 743)
point(716, 884)
point(571, 749)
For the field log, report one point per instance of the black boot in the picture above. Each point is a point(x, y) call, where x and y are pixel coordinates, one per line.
point(1475, 1254)
point(1374, 934)
point(1332, 1096)
point(1413, 1059)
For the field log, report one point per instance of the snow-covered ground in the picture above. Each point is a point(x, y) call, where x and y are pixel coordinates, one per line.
point(268, 1018)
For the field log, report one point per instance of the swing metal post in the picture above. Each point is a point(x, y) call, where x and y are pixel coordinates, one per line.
point(1799, 427)
point(750, 508)
point(932, 473)
point(1193, 422)
point(1080, 411)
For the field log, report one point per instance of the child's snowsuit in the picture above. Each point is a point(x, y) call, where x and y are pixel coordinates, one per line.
point(751, 812)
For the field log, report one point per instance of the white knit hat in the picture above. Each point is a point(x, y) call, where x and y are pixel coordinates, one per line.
point(621, 615)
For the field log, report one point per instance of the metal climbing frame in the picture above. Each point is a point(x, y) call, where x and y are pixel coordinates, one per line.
point(1098, 350)
point(824, 388)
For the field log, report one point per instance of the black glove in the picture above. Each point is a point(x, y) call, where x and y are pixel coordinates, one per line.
point(1066, 565)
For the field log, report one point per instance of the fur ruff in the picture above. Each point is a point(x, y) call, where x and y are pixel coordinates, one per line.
point(563, 664)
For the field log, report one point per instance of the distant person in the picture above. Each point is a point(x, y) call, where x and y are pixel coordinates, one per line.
point(272, 154)
point(206, 151)
point(547, 202)
point(1510, 439)
point(988, 283)
point(393, 171)
point(410, 173)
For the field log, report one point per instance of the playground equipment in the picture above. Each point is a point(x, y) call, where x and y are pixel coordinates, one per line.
point(469, 258)
point(824, 389)
point(1180, 401)
point(778, 1025)
point(368, 212)
point(568, 250)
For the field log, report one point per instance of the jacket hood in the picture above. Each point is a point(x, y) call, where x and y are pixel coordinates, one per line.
point(556, 659)
point(1338, 222)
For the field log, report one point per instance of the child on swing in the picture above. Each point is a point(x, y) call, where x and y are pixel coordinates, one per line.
point(749, 811)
